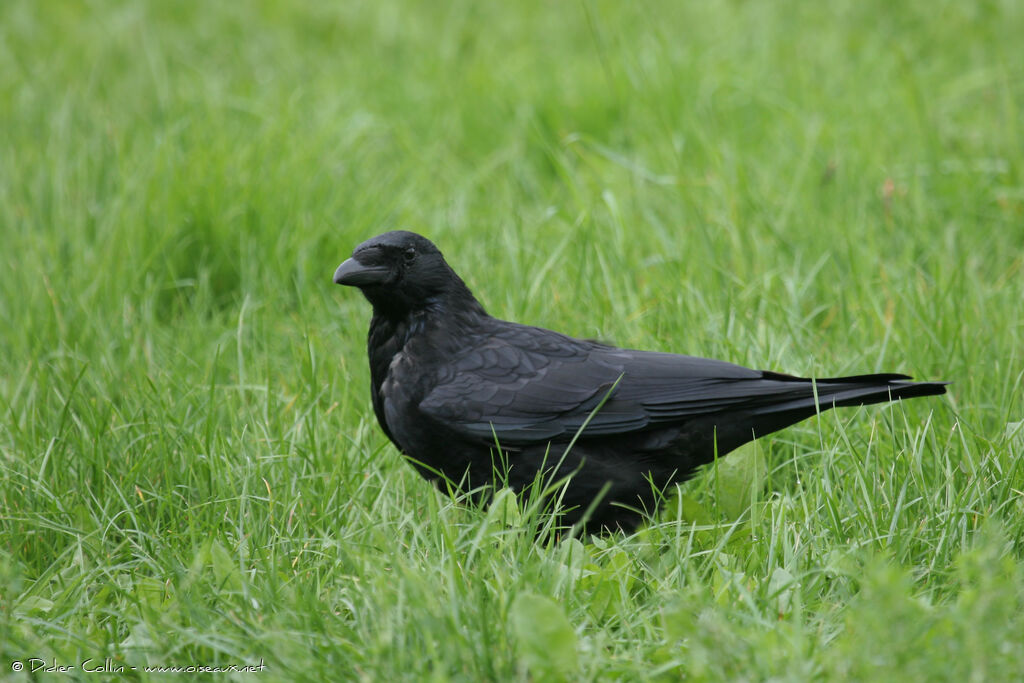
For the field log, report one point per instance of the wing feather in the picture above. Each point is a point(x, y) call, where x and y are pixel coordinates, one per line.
point(526, 385)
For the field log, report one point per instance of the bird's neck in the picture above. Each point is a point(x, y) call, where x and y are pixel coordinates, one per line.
point(441, 323)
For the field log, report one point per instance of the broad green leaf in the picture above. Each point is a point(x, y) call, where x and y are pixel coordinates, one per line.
point(504, 509)
point(780, 586)
point(741, 478)
point(547, 642)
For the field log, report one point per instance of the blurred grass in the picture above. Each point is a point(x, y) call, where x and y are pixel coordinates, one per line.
point(190, 472)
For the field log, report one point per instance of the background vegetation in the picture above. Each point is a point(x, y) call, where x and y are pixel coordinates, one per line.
point(190, 472)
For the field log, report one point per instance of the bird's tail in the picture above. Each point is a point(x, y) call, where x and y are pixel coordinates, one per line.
point(855, 390)
point(775, 401)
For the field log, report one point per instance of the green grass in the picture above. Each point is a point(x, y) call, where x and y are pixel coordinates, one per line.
point(190, 471)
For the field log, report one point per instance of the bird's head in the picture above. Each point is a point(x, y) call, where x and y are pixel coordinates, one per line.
point(399, 272)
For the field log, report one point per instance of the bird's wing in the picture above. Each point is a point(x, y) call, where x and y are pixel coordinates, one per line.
point(525, 386)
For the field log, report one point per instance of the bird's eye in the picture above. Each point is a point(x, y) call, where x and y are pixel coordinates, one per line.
point(410, 254)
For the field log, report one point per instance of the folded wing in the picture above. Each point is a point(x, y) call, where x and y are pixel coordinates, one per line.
point(524, 386)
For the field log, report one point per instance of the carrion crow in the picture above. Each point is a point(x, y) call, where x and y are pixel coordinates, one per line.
point(459, 392)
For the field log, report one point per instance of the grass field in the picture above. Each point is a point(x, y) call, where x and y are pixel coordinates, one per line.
point(190, 470)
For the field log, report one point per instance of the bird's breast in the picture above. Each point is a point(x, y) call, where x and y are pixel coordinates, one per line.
point(400, 394)
point(392, 384)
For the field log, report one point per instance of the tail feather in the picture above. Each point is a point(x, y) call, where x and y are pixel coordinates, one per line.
point(854, 391)
point(785, 400)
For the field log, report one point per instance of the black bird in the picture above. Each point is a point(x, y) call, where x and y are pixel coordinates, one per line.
point(450, 384)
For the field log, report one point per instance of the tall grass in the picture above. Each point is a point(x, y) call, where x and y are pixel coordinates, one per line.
point(190, 471)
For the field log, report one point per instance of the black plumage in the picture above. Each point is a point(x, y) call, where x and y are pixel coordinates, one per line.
point(449, 382)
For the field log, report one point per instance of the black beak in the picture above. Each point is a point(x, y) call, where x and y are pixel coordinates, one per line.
point(355, 274)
